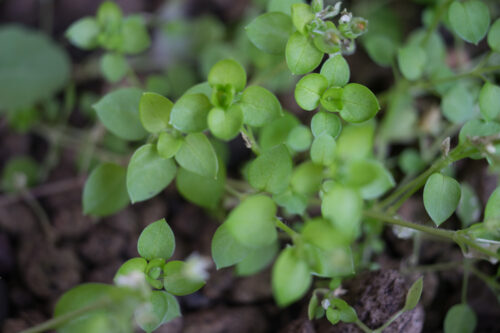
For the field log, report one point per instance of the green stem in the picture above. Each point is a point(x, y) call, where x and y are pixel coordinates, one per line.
point(60, 320)
point(362, 326)
point(478, 73)
point(250, 138)
point(290, 232)
point(442, 266)
point(435, 22)
point(389, 322)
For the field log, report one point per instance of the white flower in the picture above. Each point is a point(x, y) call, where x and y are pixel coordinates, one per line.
point(197, 266)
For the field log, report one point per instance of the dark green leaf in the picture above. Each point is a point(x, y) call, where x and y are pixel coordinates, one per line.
point(460, 318)
point(301, 55)
point(119, 112)
point(148, 173)
point(259, 106)
point(154, 111)
point(469, 19)
point(269, 32)
point(197, 155)
point(105, 191)
point(359, 103)
point(156, 241)
point(441, 197)
point(189, 113)
point(202, 191)
point(271, 171)
point(333, 316)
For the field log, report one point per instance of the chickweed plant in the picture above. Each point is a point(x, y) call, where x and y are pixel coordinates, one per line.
point(315, 197)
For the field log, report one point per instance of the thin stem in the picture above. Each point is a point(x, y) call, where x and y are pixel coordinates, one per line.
point(389, 322)
point(435, 22)
point(231, 190)
point(362, 326)
point(460, 239)
point(474, 73)
point(58, 321)
point(40, 214)
point(290, 232)
point(442, 266)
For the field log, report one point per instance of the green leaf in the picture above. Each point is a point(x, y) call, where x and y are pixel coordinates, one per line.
point(105, 190)
point(283, 6)
point(323, 150)
point(412, 61)
point(198, 155)
point(359, 103)
point(135, 37)
point(309, 90)
point(326, 123)
point(299, 139)
point(168, 144)
point(114, 67)
point(306, 178)
point(32, 67)
point(494, 36)
point(331, 99)
point(148, 173)
point(469, 207)
point(271, 171)
point(109, 14)
point(320, 232)
point(381, 48)
point(119, 113)
point(292, 203)
point(259, 106)
point(189, 113)
point(228, 72)
point(333, 263)
point(160, 311)
point(156, 241)
point(269, 32)
point(276, 131)
point(226, 249)
point(370, 176)
point(290, 278)
point(492, 210)
point(178, 280)
point(129, 266)
point(252, 221)
point(203, 191)
point(489, 101)
point(301, 55)
point(441, 197)
point(413, 295)
point(458, 104)
point(460, 318)
point(410, 161)
point(336, 70)
point(83, 33)
point(333, 316)
point(225, 124)
point(302, 14)
point(257, 259)
point(154, 111)
point(343, 207)
point(469, 19)
point(314, 307)
point(356, 141)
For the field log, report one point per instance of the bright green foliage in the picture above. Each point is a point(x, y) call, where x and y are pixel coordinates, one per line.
point(359, 103)
point(272, 170)
point(412, 61)
point(326, 123)
point(225, 124)
point(381, 49)
point(259, 106)
point(179, 280)
point(478, 128)
point(109, 14)
point(333, 316)
point(413, 295)
point(336, 70)
point(469, 208)
point(293, 203)
point(203, 191)
point(309, 90)
point(129, 266)
point(458, 104)
point(119, 112)
point(494, 36)
point(307, 178)
point(154, 111)
point(198, 155)
point(135, 35)
point(370, 176)
point(270, 32)
point(228, 72)
point(101, 319)
point(323, 149)
point(19, 172)
point(226, 249)
point(252, 222)
point(320, 232)
point(299, 139)
point(489, 101)
point(492, 210)
point(257, 259)
point(168, 144)
point(343, 207)
point(114, 67)
point(469, 19)
point(331, 100)
point(164, 308)
point(290, 278)
point(148, 173)
point(84, 33)
point(156, 241)
point(460, 318)
point(356, 141)
point(283, 6)
point(32, 67)
point(189, 113)
point(276, 131)
point(105, 190)
point(301, 55)
point(441, 197)
point(302, 14)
